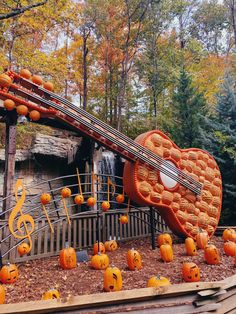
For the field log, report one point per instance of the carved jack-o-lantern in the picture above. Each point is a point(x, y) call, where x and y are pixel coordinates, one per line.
point(134, 259)
point(112, 279)
point(190, 247)
point(9, 273)
point(190, 272)
point(23, 248)
point(212, 254)
point(67, 258)
point(100, 261)
point(100, 248)
point(158, 281)
point(111, 245)
point(51, 294)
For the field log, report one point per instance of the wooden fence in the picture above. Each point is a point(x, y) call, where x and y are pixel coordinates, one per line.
point(83, 232)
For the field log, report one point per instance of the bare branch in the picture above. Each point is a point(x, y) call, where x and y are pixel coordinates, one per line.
point(20, 10)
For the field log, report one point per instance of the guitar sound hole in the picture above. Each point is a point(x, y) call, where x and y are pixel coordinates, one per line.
point(167, 181)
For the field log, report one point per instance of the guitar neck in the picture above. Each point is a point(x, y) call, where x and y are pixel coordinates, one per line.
point(99, 131)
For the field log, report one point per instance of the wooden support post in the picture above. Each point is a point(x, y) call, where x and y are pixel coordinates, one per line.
point(153, 240)
point(10, 151)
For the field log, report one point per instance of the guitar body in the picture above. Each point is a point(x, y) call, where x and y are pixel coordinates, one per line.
point(184, 211)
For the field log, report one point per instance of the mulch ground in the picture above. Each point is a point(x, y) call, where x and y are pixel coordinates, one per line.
point(38, 276)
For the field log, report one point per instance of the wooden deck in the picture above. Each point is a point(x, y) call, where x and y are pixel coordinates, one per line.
point(202, 297)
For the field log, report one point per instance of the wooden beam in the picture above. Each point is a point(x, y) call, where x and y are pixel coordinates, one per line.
point(10, 151)
point(105, 299)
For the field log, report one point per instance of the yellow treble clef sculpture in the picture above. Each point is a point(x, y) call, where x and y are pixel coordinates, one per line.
point(22, 219)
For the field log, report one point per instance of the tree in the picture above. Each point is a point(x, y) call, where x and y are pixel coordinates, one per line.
point(18, 7)
point(220, 141)
point(187, 114)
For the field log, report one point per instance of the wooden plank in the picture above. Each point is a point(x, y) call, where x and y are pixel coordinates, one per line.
point(77, 302)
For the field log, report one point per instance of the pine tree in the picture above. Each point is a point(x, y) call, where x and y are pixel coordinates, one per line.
point(220, 141)
point(188, 112)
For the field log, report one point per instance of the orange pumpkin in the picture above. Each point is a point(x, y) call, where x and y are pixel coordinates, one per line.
point(23, 248)
point(120, 198)
point(230, 248)
point(91, 201)
point(112, 279)
point(190, 247)
point(51, 294)
point(9, 273)
point(124, 219)
point(49, 86)
point(227, 234)
point(67, 258)
point(190, 272)
point(134, 259)
point(79, 199)
point(5, 80)
point(34, 115)
point(22, 110)
point(25, 73)
point(212, 254)
point(2, 294)
point(9, 104)
point(166, 252)
point(202, 239)
point(105, 206)
point(158, 281)
point(66, 192)
point(100, 249)
point(100, 261)
point(164, 238)
point(111, 245)
point(45, 198)
point(36, 79)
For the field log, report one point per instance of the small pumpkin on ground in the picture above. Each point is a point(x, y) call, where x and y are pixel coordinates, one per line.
point(166, 252)
point(228, 234)
point(67, 258)
point(202, 239)
point(51, 294)
point(230, 248)
point(100, 261)
point(164, 238)
point(112, 279)
point(2, 294)
point(158, 281)
point(190, 272)
point(134, 259)
point(212, 254)
point(190, 247)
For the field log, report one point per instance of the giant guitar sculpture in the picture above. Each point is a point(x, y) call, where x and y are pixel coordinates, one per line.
point(185, 185)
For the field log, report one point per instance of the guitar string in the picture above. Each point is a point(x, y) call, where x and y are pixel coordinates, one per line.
point(126, 138)
point(154, 165)
point(70, 114)
point(138, 146)
point(170, 174)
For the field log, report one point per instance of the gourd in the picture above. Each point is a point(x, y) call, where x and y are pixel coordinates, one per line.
point(91, 201)
point(105, 206)
point(212, 254)
point(166, 252)
point(66, 192)
point(98, 248)
point(134, 259)
point(202, 239)
point(22, 110)
point(230, 248)
point(158, 281)
point(23, 248)
point(100, 261)
point(51, 294)
point(9, 104)
point(124, 219)
point(120, 198)
point(111, 245)
point(190, 247)
point(34, 115)
point(79, 199)
point(190, 272)
point(164, 238)
point(45, 198)
point(9, 273)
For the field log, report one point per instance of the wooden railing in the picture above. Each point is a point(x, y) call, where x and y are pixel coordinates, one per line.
point(83, 232)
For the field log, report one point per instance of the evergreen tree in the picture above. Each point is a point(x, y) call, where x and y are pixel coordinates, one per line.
point(220, 141)
point(188, 112)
